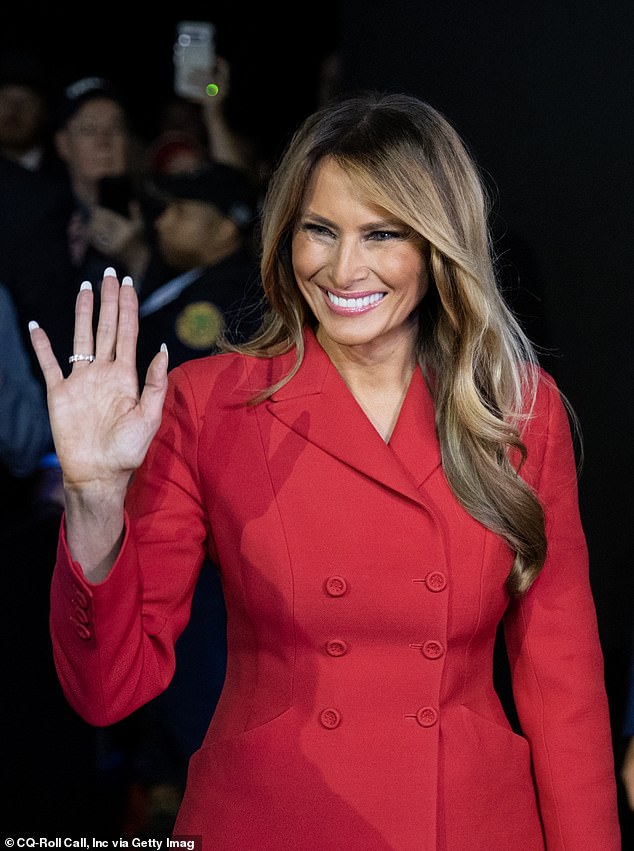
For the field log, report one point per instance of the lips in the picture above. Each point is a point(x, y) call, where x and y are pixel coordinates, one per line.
point(354, 304)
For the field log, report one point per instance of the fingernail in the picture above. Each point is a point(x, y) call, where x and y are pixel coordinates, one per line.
point(127, 282)
point(85, 285)
point(164, 347)
point(33, 325)
point(109, 272)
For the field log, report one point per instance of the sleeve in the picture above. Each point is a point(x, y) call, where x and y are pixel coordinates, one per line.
point(556, 659)
point(25, 434)
point(113, 642)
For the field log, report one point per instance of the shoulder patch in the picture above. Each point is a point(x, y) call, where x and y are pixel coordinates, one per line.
point(199, 324)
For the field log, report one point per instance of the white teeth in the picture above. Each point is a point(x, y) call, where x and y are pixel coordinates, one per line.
point(355, 303)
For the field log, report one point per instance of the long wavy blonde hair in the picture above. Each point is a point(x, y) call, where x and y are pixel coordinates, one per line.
point(480, 366)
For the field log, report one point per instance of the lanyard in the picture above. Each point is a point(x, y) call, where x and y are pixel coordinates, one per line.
point(168, 292)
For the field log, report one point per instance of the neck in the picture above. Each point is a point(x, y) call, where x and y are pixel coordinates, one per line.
point(378, 377)
point(380, 365)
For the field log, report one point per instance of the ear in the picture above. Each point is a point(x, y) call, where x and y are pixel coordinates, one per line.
point(61, 144)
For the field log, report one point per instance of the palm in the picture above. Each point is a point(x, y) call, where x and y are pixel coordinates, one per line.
point(98, 428)
point(101, 426)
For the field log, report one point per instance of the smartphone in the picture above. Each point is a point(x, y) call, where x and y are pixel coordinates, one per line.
point(194, 50)
point(116, 193)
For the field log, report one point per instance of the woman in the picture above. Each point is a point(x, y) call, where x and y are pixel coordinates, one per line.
point(354, 472)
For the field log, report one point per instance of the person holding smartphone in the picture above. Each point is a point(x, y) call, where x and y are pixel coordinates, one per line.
point(95, 140)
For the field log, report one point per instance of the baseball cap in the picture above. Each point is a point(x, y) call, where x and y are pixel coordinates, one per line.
point(172, 148)
point(79, 92)
point(225, 187)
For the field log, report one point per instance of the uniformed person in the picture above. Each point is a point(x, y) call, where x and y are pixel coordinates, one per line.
point(204, 241)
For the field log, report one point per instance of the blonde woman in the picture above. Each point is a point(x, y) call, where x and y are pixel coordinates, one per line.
point(383, 475)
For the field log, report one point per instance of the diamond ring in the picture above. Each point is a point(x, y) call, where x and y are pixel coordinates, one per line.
point(75, 358)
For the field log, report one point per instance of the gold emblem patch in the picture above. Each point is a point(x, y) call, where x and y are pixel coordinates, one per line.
point(199, 325)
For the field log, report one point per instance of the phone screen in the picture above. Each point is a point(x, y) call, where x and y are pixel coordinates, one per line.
point(194, 49)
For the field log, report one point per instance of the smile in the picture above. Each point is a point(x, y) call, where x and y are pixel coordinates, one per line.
point(358, 304)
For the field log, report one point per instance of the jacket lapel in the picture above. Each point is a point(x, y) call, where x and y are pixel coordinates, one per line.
point(317, 405)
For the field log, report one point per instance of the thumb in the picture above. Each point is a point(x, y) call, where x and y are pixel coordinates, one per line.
point(155, 388)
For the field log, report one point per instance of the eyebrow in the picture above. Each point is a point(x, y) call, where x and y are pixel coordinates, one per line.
point(379, 224)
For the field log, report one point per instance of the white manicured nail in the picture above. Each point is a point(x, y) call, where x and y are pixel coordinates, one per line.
point(33, 325)
point(85, 285)
point(109, 272)
point(127, 282)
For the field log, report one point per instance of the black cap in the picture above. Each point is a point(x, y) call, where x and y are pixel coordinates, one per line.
point(88, 88)
point(225, 187)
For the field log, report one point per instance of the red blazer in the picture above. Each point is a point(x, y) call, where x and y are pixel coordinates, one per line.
point(359, 711)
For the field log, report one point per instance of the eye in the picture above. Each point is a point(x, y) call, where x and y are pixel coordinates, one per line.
point(384, 235)
point(315, 229)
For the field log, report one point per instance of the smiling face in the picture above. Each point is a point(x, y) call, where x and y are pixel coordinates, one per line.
point(362, 273)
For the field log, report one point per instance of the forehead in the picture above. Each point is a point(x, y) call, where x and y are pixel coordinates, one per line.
point(98, 109)
point(19, 92)
point(333, 186)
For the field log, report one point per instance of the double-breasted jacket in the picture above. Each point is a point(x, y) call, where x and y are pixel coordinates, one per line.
point(359, 710)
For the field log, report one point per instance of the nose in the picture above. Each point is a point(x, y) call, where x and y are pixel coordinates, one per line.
point(347, 265)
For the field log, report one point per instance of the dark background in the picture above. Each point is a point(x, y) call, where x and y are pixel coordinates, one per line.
point(274, 59)
point(542, 92)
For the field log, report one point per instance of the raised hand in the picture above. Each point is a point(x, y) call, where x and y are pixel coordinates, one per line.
point(101, 426)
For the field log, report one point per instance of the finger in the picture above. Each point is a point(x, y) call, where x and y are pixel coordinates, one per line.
point(128, 327)
point(44, 353)
point(108, 316)
point(83, 337)
point(155, 388)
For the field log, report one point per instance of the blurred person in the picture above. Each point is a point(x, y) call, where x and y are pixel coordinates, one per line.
point(174, 152)
point(27, 104)
point(35, 202)
point(96, 142)
point(219, 112)
point(204, 240)
point(229, 143)
point(178, 114)
point(25, 434)
point(384, 476)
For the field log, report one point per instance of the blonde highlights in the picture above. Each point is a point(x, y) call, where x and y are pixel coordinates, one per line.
point(405, 157)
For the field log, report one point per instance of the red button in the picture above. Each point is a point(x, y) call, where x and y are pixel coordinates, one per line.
point(435, 580)
point(81, 615)
point(330, 718)
point(336, 586)
point(80, 598)
point(432, 649)
point(336, 647)
point(83, 632)
point(427, 716)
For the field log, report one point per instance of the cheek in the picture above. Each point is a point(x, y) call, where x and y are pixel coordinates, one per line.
point(308, 257)
point(407, 272)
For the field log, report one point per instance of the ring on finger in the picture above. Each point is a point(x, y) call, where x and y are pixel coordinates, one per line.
point(75, 358)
